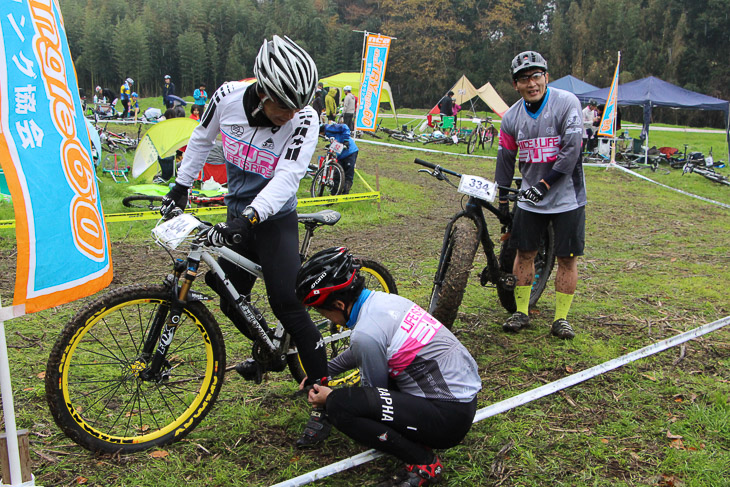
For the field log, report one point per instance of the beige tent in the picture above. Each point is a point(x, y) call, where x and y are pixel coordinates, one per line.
point(465, 91)
point(492, 98)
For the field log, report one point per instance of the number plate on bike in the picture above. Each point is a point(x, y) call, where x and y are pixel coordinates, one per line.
point(478, 187)
point(337, 147)
point(174, 231)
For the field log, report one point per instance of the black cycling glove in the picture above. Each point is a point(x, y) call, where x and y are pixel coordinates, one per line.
point(536, 193)
point(228, 233)
point(177, 197)
point(233, 231)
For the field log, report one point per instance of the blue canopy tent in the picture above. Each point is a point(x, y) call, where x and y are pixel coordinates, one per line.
point(653, 92)
point(572, 84)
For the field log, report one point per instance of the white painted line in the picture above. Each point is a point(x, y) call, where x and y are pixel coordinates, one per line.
point(526, 397)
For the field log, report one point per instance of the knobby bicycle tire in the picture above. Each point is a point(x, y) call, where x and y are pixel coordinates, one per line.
point(93, 383)
point(453, 272)
point(143, 201)
point(544, 262)
point(377, 278)
point(471, 143)
point(325, 184)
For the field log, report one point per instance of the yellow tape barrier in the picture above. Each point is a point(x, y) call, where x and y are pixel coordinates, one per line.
point(212, 210)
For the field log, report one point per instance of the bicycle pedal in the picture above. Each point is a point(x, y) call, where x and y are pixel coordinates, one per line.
point(508, 282)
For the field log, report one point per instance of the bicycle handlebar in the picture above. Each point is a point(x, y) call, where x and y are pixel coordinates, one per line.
point(441, 169)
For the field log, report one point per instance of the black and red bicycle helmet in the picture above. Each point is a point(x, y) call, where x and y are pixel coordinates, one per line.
point(325, 272)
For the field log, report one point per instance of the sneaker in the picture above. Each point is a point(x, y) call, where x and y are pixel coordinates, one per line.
point(516, 322)
point(423, 474)
point(316, 430)
point(562, 329)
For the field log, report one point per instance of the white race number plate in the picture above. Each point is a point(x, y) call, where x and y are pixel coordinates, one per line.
point(337, 147)
point(478, 187)
point(174, 231)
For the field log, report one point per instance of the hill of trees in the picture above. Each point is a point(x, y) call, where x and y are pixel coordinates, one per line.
point(683, 42)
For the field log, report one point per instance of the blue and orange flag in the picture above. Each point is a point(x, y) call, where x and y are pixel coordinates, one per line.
point(373, 74)
point(45, 152)
point(607, 127)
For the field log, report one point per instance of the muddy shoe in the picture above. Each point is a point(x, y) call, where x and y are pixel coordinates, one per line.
point(562, 329)
point(316, 430)
point(419, 475)
point(516, 322)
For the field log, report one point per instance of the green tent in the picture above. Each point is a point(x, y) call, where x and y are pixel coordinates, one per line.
point(353, 79)
point(162, 140)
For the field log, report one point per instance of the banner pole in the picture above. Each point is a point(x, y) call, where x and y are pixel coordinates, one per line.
point(9, 411)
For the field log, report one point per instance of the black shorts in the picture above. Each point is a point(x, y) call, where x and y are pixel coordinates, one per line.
point(569, 229)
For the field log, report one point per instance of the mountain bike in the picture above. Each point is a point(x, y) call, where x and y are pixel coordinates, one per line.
point(141, 366)
point(330, 177)
point(154, 202)
point(482, 136)
point(464, 232)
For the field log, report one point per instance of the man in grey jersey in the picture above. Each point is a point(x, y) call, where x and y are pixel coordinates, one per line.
point(419, 383)
point(544, 129)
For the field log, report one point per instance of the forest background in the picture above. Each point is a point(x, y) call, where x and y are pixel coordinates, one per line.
point(212, 41)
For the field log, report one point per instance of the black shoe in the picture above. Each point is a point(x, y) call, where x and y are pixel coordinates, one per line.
point(516, 322)
point(251, 370)
point(562, 329)
point(316, 430)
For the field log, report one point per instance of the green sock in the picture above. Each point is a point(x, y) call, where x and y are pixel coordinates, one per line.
point(562, 305)
point(522, 298)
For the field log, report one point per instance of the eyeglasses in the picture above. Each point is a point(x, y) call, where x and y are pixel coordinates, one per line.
point(534, 77)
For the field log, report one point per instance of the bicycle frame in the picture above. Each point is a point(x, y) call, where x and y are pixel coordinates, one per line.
point(185, 273)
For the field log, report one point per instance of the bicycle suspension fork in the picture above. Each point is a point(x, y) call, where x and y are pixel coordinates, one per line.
point(181, 279)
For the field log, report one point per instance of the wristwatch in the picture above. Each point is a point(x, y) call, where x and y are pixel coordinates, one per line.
point(249, 213)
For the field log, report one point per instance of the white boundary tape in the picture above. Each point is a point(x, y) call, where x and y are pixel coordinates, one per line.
point(525, 397)
point(724, 205)
point(718, 203)
point(408, 147)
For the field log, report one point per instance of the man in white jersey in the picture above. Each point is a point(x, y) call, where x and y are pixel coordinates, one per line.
point(419, 383)
point(544, 129)
point(269, 134)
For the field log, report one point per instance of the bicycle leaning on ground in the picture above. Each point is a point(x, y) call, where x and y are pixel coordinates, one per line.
point(464, 232)
point(142, 365)
point(329, 178)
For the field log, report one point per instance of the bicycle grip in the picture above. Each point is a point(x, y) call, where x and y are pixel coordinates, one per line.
point(424, 163)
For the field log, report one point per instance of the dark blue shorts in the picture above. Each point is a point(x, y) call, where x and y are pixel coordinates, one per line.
point(569, 229)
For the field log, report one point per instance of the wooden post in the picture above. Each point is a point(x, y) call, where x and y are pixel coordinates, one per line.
point(24, 450)
point(377, 183)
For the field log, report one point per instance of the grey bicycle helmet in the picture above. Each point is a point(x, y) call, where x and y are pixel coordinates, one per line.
point(325, 272)
point(285, 72)
point(527, 60)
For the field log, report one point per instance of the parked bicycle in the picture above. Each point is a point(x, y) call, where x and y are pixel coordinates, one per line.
point(464, 232)
point(482, 136)
point(117, 142)
point(705, 167)
point(142, 365)
point(330, 176)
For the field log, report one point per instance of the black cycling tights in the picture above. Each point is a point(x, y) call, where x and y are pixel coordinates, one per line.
point(274, 244)
point(400, 424)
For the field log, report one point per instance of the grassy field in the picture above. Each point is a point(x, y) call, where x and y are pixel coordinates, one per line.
point(656, 264)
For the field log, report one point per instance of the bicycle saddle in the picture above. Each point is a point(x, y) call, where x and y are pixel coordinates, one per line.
point(324, 217)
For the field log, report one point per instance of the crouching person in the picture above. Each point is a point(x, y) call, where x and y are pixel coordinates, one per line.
point(419, 383)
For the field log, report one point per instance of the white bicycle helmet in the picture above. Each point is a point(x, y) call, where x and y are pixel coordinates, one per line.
point(285, 72)
point(130, 81)
point(526, 60)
